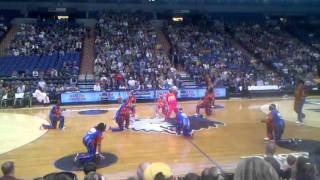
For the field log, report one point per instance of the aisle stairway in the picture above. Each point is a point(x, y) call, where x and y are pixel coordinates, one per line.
point(5, 43)
point(162, 39)
point(87, 59)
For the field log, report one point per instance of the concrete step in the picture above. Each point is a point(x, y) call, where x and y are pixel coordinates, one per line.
point(6, 41)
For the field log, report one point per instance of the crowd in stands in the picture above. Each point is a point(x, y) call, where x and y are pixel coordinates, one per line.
point(128, 55)
point(205, 50)
point(47, 37)
point(3, 26)
point(45, 51)
point(275, 47)
point(305, 32)
point(268, 167)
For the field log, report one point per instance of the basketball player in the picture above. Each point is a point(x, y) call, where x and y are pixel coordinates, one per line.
point(55, 116)
point(183, 124)
point(171, 101)
point(123, 115)
point(275, 124)
point(299, 100)
point(207, 102)
point(131, 103)
point(92, 141)
point(161, 105)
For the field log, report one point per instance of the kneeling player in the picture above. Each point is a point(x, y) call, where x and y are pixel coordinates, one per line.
point(183, 124)
point(55, 116)
point(206, 102)
point(92, 141)
point(161, 106)
point(274, 123)
point(278, 123)
point(122, 116)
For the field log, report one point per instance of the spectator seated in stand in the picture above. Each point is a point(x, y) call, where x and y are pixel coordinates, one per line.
point(41, 96)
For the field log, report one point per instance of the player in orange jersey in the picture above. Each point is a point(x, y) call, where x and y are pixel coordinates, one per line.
point(207, 102)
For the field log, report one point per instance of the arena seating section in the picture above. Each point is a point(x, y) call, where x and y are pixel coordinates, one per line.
point(126, 47)
point(26, 64)
point(234, 51)
point(229, 52)
point(276, 48)
point(44, 46)
point(206, 48)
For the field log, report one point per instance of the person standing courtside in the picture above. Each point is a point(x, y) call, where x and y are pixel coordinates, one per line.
point(299, 100)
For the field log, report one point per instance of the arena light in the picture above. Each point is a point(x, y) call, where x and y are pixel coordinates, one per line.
point(62, 17)
point(177, 19)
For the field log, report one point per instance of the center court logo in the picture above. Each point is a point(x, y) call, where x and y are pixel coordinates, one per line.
point(163, 126)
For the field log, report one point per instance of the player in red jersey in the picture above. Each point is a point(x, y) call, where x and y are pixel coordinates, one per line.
point(131, 103)
point(171, 101)
point(207, 102)
point(161, 105)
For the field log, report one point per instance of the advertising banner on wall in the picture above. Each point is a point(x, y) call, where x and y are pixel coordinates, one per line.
point(82, 97)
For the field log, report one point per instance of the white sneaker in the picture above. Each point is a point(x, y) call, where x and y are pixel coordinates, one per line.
point(299, 123)
point(76, 158)
point(62, 129)
point(266, 138)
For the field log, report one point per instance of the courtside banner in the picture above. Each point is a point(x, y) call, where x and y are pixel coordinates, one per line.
point(81, 97)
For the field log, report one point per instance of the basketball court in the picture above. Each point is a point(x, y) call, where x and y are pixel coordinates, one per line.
point(233, 131)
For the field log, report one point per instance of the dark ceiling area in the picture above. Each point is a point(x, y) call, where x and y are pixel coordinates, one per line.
point(182, 2)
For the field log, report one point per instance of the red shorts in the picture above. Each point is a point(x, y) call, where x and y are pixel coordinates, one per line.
point(171, 109)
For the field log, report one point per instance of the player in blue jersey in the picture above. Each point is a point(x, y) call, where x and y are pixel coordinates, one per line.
point(122, 116)
point(278, 122)
point(275, 124)
point(183, 124)
point(55, 116)
point(92, 141)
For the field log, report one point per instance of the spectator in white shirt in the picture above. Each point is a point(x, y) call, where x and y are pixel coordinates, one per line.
point(131, 83)
point(42, 84)
point(97, 87)
point(35, 73)
point(21, 88)
point(19, 94)
point(41, 96)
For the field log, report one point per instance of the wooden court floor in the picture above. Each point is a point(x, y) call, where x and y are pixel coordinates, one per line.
point(241, 136)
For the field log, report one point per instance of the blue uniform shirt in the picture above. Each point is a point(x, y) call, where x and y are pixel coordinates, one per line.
point(53, 111)
point(183, 120)
point(93, 135)
point(117, 116)
point(277, 118)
